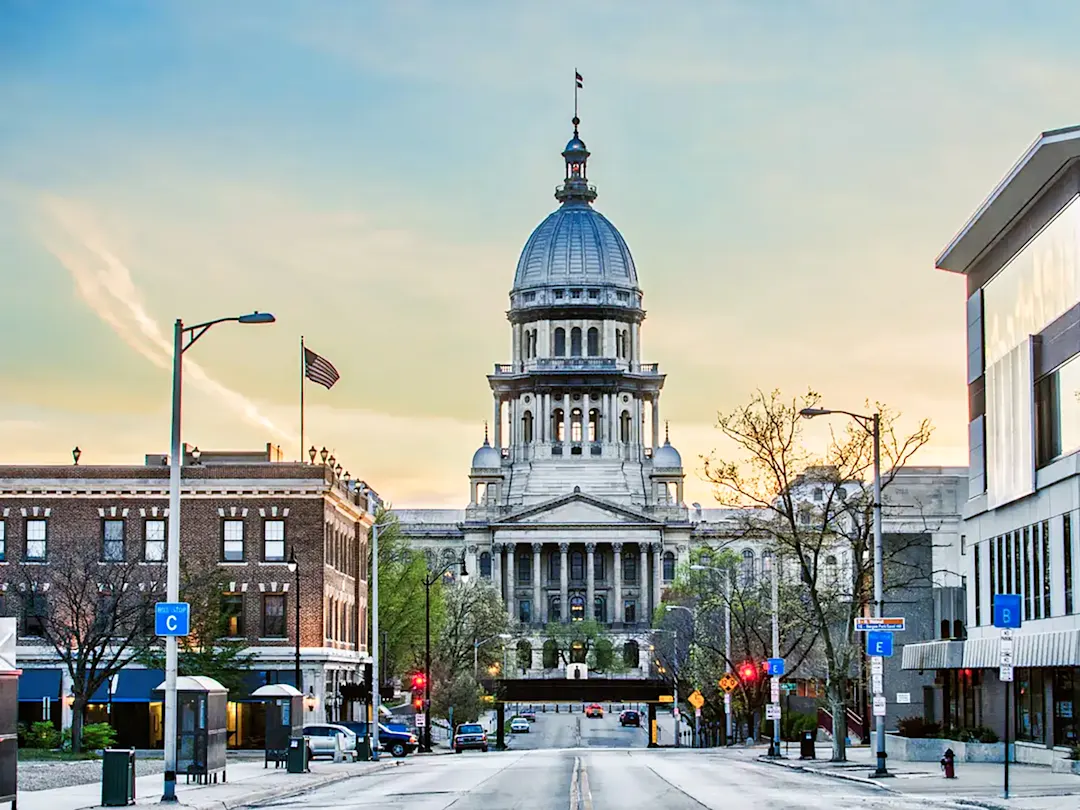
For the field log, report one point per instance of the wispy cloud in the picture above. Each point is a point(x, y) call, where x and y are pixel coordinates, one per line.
point(105, 284)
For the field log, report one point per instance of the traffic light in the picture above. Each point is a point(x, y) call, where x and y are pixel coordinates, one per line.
point(748, 672)
point(418, 704)
point(418, 682)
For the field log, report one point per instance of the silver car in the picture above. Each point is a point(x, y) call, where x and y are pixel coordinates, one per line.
point(322, 740)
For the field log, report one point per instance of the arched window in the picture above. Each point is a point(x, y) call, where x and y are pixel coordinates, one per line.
point(485, 565)
point(577, 566)
point(558, 425)
point(669, 566)
point(631, 654)
point(600, 609)
point(554, 609)
point(527, 427)
point(593, 342)
point(575, 425)
point(532, 343)
point(944, 628)
point(598, 566)
point(958, 630)
point(578, 651)
point(551, 652)
point(575, 342)
point(767, 562)
point(594, 424)
point(524, 568)
point(624, 427)
point(618, 342)
point(629, 567)
point(554, 564)
point(832, 573)
point(577, 614)
point(560, 342)
point(524, 655)
point(747, 567)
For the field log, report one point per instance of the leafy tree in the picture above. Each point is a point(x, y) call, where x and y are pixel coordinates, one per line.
point(585, 642)
point(206, 650)
point(462, 694)
point(402, 621)
point(472, 613)
point(97, 617)
point(828, 541)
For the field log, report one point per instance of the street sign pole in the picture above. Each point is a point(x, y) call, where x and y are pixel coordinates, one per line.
point(1007, 616)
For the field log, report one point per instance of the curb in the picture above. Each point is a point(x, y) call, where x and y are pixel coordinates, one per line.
point(846, 777)
point(283, 792)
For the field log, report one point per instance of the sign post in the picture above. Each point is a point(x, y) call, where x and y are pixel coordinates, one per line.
point(879, 646)
point(1007, 617)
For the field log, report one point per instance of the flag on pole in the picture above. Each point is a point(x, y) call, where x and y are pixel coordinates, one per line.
point(319, 370)
point(579, 80)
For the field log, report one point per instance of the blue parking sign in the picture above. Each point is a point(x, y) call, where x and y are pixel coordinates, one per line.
point(172, 618)
point(1007, 610)
point(776, 667)
point(879, 643)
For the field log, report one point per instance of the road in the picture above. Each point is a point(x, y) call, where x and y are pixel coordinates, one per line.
point(593, 779)
point(575, 730)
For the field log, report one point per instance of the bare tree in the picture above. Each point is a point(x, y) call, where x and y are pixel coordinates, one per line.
point(828, 539)
point(97, 616)
point(473, 613)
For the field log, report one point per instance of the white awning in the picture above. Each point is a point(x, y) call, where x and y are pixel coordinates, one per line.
point(1058, 649)
point(933, 655)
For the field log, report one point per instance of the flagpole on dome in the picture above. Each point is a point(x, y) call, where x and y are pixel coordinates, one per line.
point(303, 374)
point(579, 83)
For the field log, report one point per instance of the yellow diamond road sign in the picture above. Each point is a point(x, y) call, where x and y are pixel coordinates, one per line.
point(696, 700)
point(728, 682)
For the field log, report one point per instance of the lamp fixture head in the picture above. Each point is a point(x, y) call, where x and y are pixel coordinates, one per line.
point(337, 469)
point(810, 413)
point(323, 454)
point(257, 317)
point(311, 453)
point(293, 565)
point(75, 455)
point(330, 461)
point(196, 454)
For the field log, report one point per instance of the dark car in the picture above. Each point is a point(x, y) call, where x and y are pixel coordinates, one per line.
point(397, 743)
point(630, 718)
point(470, 735)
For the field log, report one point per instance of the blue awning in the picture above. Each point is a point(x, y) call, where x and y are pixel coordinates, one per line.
point(137, 685)
point(36, 684)
point(101, 694)
point(261, 677)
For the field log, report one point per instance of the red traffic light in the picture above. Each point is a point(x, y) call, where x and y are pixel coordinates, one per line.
point(418, 704)
point(419, 681)
point(748, 672)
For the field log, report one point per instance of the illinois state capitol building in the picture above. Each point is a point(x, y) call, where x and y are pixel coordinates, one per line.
point(576, 503)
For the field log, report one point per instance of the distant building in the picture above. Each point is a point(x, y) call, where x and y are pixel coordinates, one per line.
point(1020, 255)
point(243, 515)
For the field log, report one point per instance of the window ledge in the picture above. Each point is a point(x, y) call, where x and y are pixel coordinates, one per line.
point(273, 562)
point(274, 638)
point(152, 562)
point(35, 562)
point(232, 562)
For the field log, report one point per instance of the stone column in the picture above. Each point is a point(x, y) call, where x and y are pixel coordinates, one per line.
point(643, 583)
point(538, 563)
point(566, 424)
point(496, 568)
point(471, 561)
point(564, 583)
point(542, 421)
point(617, 617)
point(655, 421)
point(590, 580)
point(658, 573)
point(635, 346)
point(496, 426)
point(511, 582)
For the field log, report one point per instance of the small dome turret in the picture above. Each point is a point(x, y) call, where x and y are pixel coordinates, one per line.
point(486, 457)
point(666, 456)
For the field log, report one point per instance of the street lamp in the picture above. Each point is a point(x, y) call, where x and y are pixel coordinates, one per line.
point(477, 644)
point(727, 638)
point(872, 425)
point(675, 674)
point(294, 567)
point(376, 684)
point(430, 580)
point(771, 565)
point(184, 338)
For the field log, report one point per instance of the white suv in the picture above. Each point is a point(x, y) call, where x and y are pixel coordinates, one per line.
point(322, 740)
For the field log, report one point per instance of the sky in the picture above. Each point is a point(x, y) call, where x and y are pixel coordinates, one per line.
point(785, 173)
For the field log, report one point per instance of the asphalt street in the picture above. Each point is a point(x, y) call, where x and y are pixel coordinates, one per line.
point(592, 778)
point(575, 730)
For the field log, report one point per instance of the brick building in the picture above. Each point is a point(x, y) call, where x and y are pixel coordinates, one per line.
point(243, 515)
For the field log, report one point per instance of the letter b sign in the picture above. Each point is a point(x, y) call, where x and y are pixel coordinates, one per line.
point(1007, 610)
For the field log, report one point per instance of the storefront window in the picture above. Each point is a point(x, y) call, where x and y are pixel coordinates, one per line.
point(1066, 694)
point(1030, 705)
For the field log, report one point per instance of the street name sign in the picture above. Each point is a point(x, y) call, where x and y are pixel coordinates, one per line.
point(864, 624)
point(879, 643)
point(172, 618)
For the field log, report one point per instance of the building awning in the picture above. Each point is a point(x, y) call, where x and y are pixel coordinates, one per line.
point(101, 694)
point(136, 685)
point(933, 655)
point(37, 684)
point(1060, 648)
point(262, 677)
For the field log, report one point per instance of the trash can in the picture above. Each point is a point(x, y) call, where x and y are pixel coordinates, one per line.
point(806, 746)
point(363, 749)
point(297, 759)
point(118, 777)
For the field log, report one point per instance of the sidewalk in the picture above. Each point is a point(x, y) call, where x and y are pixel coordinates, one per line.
point(978, 784)
point(248, 783)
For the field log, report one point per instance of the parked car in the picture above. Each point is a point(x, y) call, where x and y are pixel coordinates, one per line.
point(397, 741)
point(630, 718)
point(322, 740)
point(529, 715)
point(519, 725)
point(470, 735)
point(594, 710)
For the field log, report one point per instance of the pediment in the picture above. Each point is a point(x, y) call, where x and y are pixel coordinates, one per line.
point(577, 510)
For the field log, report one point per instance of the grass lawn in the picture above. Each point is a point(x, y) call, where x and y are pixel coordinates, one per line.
point(45, 755)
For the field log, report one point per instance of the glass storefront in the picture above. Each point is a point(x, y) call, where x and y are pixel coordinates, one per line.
point(961, 696)
point(1066, 695)
point(1030, 691)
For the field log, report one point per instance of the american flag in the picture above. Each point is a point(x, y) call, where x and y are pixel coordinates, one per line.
point(319, 370)
point(579, 80)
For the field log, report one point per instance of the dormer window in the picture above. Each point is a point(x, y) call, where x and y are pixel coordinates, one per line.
point(558, 295)
point(575, 294)
point(529, 297)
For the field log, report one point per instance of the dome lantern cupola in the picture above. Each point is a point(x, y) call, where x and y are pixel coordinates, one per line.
point(575, 187)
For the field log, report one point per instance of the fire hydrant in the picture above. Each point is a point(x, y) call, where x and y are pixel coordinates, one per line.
point(948, 764)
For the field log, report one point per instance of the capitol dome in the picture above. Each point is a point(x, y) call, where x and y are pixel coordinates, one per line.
point(576, 247)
